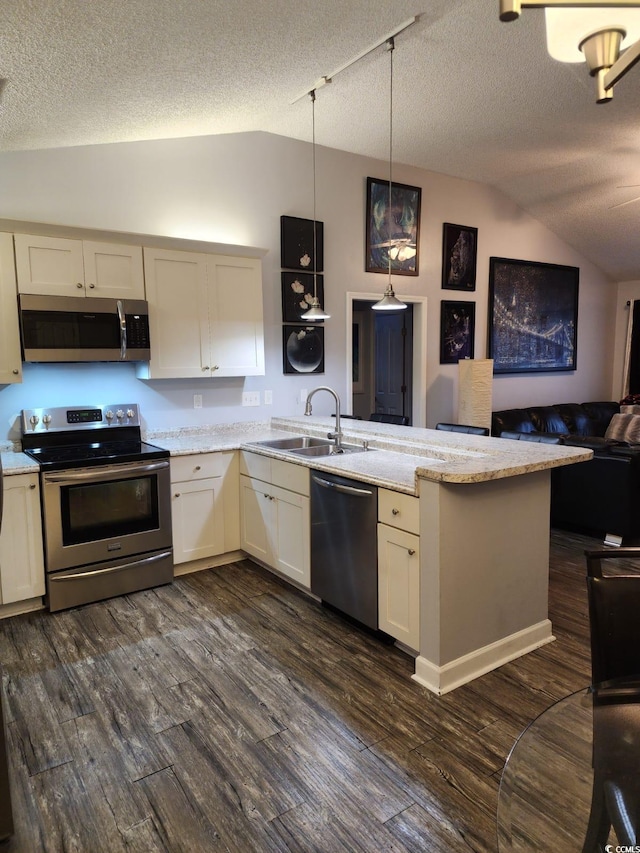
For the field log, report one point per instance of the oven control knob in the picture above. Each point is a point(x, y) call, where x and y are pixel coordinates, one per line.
point(46, 419)
point(109, 415)
point(131, 413)
point(34, 420)
point(119, 414)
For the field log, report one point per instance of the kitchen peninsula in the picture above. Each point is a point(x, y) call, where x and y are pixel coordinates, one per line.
point(482, 521)
point(466, 518)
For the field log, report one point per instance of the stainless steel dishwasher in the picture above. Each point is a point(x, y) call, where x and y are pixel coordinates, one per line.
point(344, 553)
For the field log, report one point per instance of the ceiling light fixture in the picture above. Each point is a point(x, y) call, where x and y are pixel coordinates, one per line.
point(595, 31)
point(389, 301)
point(315, 311)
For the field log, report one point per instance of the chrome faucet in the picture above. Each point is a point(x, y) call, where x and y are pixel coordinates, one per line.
point(337, 434)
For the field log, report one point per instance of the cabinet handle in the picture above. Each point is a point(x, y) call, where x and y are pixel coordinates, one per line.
point(92, 286)
point(15, 371)
point(411, 551)
point(395, 511)
point(216, 367)
point(197, 468)
point(32, 485)
point(79, 285)
point(205, 368)
point(177, 495)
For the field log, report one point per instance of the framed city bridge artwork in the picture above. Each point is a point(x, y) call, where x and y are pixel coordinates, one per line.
point(533, 316)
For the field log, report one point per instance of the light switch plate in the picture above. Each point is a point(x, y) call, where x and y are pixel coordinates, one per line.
point(250, 398)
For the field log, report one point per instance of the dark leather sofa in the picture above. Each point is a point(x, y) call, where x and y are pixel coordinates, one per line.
point(600, 497)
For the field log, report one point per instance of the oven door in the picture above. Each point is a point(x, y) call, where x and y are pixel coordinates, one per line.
point(99, 514)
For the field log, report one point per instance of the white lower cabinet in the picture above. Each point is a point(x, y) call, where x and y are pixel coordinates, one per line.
point(21, 551)
point(274, 515)
point(399, 567)
point(204, 505)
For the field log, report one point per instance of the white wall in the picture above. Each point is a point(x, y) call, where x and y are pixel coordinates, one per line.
point(627, 290)
point(233, 189)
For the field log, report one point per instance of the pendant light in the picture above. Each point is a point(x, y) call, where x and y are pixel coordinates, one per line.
point(389, 301)
point(315, 311)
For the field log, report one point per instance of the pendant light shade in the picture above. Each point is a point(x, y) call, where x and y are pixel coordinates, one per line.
point(390, 301)
point(315, 311)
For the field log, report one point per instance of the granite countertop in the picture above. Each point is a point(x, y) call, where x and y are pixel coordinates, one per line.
point(400, 456)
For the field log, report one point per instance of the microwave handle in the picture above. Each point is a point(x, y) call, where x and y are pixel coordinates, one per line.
point(123, 330)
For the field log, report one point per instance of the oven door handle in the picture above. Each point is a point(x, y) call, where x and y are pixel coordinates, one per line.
point(100, 472)
point(122, 318)
point(110, 570)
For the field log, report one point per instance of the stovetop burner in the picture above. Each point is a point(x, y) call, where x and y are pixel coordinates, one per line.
point(61, 438)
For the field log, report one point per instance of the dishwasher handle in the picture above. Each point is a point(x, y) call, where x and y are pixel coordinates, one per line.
point(339, 487)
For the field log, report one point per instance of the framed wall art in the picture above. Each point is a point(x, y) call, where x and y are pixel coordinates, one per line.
point(296, 244)
point(297, 290)
point(533, 316)
point(392, 234)
point(303, 349)
point(457, 331)
point(459, 252)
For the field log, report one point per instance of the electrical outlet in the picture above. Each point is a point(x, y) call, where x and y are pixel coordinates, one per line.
point(268, 398)
point(250, 398)
point(197, 401)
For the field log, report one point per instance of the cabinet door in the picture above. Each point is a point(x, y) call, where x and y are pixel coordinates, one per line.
point(399, 585)
point(10, 356)
point(21, 552)
point(111, 270)
point(176, 286)
point(292, 536)
point(197, 512)
point(235, 306)
point(49, 265)
point(257, 511)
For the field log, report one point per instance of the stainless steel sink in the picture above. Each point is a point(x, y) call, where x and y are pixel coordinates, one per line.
point(306, 445)
point(328, 449)
point(296, 442)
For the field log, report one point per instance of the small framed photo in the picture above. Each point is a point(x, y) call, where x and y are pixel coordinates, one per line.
point(392, 235)
point(297, 290)
point(459, 253)
point(303, 349)
point(297, 244)
point(457, 331)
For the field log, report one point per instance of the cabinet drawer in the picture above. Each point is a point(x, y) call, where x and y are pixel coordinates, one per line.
point(198, 466)
point(399, 510)
point(290, 476)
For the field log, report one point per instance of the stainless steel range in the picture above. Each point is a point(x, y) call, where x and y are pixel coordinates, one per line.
point(106, 502)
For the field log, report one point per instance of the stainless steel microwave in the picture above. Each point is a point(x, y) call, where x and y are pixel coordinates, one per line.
point(72, 328)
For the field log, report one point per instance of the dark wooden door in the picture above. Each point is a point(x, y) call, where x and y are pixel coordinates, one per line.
point(393, 347)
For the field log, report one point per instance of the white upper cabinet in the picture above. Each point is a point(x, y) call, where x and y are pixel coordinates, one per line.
point(10, 357)
point(58, 266)
point(205, 315)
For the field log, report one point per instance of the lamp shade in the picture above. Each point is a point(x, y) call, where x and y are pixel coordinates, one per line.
point(567, 28)
point(475, 386)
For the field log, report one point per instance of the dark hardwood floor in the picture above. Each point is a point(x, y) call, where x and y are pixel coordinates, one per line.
point(228, 712)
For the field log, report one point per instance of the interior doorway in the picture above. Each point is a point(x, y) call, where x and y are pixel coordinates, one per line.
point(382, 359)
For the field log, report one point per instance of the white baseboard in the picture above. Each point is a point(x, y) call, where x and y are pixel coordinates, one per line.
point(442, 679)
point(18, 607)
point(208, 563)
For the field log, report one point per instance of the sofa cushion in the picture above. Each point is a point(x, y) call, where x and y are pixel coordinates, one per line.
point(601, 413)
point(516, 420)
point(577, 419)
point(547, 419)
point(540, 437)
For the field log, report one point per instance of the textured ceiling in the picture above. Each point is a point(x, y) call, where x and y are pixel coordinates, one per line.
point(473, 97)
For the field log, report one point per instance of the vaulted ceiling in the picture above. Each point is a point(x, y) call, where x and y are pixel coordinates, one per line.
point(473, 97)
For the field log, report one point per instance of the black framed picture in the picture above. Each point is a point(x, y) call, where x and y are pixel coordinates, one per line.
point(459, 252)
point(392, 235)
point(457, 331)
point(303, 349)
point(297, 244)
point(533, 316)
point(297, 290)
